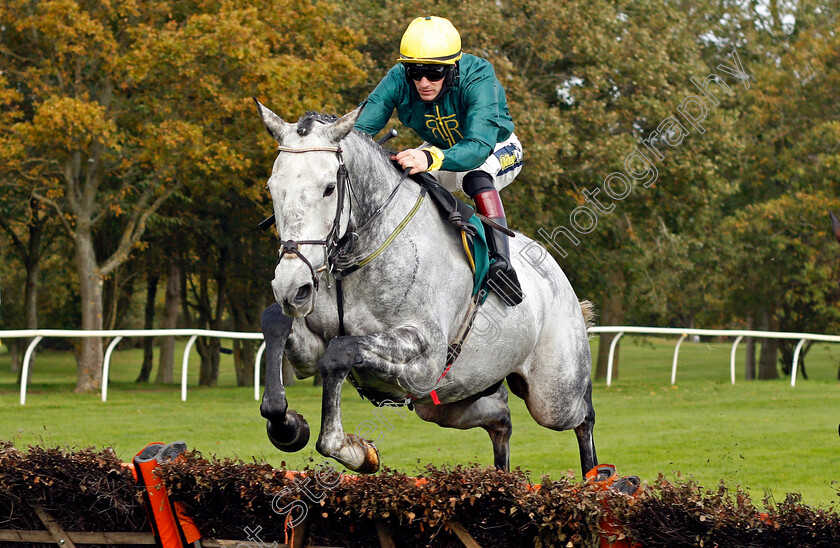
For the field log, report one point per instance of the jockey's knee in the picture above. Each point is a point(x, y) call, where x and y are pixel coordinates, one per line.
point(476, 182)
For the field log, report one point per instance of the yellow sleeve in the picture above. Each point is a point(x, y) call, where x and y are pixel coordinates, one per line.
point(437, 158)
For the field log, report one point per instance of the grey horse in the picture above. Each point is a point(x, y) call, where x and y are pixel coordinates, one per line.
point(338, 201)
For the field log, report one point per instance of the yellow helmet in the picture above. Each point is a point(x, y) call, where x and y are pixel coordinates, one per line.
point(432, 40)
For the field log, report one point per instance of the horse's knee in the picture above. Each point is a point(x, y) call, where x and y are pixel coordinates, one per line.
point(341, 355)
point(274, 323)
point(500, 427)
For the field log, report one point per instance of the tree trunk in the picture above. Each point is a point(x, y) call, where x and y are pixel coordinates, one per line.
point(170, 321)
point(30, 297)
point(244, 354)
point(749, 363)
point(246, 318)
point(89, 354)
point(117, 297)
point(208, 349)
point(768, 359)
point(30, 255)
point(787, 349)
point(612, 313)
point(22, 344)
point(244, 351)
point(15, 354)
point(149, 323)
point(33, 272)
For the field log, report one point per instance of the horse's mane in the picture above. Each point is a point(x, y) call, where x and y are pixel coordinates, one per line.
point(307, 121)
point(376, 148)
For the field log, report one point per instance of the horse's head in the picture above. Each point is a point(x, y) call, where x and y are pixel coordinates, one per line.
point(311, 208)
point(835, 225)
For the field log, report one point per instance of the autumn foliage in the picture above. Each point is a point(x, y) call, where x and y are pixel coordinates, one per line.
point(128, 138)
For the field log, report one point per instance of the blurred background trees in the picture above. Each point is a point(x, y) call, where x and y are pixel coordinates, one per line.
point(132, 164)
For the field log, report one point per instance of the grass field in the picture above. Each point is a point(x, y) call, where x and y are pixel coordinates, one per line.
point(764, 436)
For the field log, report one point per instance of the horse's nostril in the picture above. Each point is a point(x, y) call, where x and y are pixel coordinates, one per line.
point(303, 293)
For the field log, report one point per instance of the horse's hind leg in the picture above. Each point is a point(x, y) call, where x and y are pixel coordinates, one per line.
point(286, 428)
point(586, 441)
point(489, 411)
point(559, 405)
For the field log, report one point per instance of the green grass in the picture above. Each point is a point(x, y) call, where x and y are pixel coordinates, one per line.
point(764, 436)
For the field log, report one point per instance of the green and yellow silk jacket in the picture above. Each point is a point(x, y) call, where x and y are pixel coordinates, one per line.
point(466, 121)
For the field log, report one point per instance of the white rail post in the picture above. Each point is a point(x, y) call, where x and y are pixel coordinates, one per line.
point(795, 362)
point(184, 367)
point(611, 355)
point(24, 374)
point(106, 367)
point(676, 355)
point(257, 371)
point(732, 359)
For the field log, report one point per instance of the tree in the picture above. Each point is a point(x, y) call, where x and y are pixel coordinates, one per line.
point(23, 218)
point(205, 66)
point(780, 259)
point(122, 103)
point(78, 138)
point(775, 269)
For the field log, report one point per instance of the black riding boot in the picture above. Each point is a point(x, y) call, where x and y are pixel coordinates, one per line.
point(502, 277)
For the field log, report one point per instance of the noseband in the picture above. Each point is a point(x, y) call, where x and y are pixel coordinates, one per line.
point(331, 243)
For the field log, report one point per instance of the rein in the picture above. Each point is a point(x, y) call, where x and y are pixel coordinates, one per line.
point(335, 247)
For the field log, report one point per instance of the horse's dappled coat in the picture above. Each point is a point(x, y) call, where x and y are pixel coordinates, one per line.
point(402, 309)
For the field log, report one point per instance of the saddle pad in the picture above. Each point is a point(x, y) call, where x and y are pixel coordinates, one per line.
point(481, 257)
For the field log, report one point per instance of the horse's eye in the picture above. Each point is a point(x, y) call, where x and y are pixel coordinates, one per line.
point(330, 189)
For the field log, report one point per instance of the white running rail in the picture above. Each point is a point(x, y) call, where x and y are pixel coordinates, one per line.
point(118, 334)
point(38, 335)
point(738, 333)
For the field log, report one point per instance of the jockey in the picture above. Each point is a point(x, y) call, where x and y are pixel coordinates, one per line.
point(455, 103)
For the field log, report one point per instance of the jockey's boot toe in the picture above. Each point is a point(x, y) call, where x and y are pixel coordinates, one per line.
point(502, 279)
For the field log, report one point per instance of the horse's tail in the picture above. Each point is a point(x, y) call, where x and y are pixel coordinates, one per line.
point(589, 314)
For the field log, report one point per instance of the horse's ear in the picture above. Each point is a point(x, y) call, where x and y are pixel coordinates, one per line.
point(275, 125)
point(343, 126)
point(835, 225)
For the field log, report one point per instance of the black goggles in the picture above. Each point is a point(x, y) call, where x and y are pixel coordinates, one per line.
point(432, 73)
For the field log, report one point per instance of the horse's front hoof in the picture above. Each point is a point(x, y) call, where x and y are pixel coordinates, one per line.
point(370, 462)
point(290, 436)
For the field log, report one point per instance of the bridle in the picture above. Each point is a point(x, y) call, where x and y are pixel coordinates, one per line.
point(332, 242)
point(337, 247)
